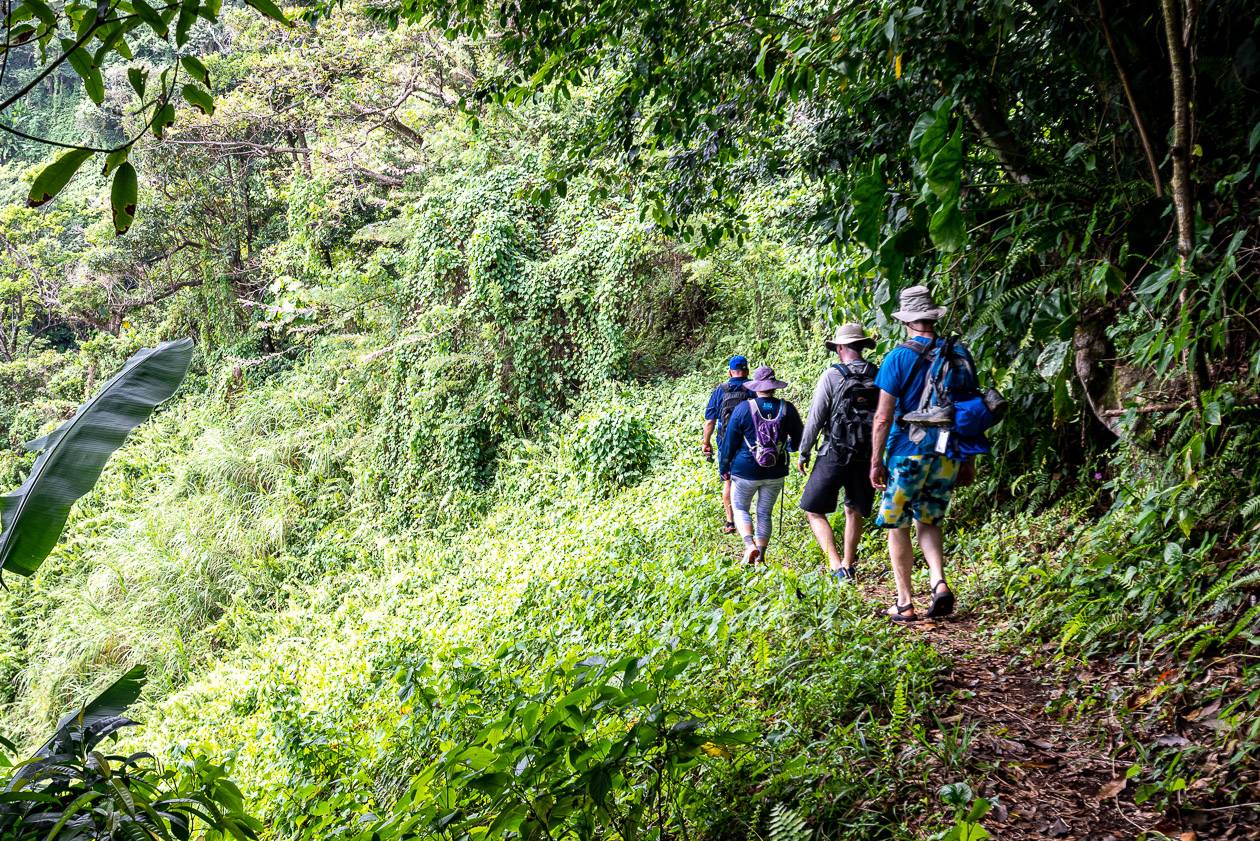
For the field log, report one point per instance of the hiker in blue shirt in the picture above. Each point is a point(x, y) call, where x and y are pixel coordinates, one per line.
point(915, 474)
point(717, 412)
point(754, 455)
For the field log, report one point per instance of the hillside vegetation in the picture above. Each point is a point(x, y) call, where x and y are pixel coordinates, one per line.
point(425, 547)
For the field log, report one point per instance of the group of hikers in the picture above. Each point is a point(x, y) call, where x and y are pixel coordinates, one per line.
point(909, 428)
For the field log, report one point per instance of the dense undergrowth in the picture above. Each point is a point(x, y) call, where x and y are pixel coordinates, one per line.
point(347, 666)
point(335, 660)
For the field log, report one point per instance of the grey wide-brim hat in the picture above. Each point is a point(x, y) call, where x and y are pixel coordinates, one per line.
point(850, 334)
point(917, 305)
point(764, 380)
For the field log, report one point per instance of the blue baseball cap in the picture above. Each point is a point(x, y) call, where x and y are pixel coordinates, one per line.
point(738, 363)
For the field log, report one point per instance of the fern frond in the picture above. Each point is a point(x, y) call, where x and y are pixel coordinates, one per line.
point(787, 824)
point(898, 721)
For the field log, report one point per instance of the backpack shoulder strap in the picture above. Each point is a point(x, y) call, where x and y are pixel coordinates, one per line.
point(920, 350)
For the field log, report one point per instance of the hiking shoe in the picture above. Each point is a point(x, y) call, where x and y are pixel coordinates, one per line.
point(942, 603)
point(931, 416)
point(843, 575)
point(902, 613)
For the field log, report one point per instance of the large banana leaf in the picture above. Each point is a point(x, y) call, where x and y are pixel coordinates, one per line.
point(81, 729)
point(32, 517)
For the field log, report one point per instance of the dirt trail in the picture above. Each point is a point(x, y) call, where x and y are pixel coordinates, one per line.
point(1053, 779)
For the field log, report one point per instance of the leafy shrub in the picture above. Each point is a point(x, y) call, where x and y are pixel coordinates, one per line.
point(599, 749)
point(613, 449)
point(113, 797)
point(71, 790)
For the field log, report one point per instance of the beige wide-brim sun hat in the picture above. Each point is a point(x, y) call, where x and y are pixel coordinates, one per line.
point(917, 305)
point(850, 334)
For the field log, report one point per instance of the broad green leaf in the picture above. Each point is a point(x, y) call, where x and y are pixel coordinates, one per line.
point(184, 23)
point(947, 229)
point(42, 11)
point(209, 10)
point(193, 67)
point(56, 176)
point(1050, 362)
point(165, 117)
point(122, 197)
point(74, 455)
point(1212, 413)
point(150, 16)
point(19, 35)
point(199, 99)
point(868, 198)
point(934, 133)
point(94, 85)
point(944, 174)
point(111, 703)
point(137, 77)
point(115, 159)
point(269, 9)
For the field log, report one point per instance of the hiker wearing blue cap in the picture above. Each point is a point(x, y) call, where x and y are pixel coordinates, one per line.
point(717, 413)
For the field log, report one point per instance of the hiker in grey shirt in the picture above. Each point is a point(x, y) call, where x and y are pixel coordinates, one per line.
point(842, 410)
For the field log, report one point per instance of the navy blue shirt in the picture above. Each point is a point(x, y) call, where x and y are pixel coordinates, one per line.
point(714, 406)
point(736, 457)
point(894, 378)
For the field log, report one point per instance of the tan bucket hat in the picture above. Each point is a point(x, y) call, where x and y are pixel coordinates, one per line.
point(850, 334)
point(917, 305)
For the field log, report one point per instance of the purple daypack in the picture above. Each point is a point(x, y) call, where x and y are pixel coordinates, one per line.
point(766, 448)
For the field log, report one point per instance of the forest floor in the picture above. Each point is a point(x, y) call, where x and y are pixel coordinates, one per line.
point(1049, 777)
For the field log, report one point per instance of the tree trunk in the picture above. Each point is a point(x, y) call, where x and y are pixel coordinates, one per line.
point(1182, 196)
point(1177, 33)
point(1139, 124)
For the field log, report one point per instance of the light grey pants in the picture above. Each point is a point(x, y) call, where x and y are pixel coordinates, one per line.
point(767, 491)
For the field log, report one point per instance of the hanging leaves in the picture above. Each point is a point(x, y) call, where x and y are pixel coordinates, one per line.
point(193, 67)
point(199, 99)
point(56, 176)
point(944, 173)
point(269, 9)
point(868, 197)
point(165, 117)
point(122, 197)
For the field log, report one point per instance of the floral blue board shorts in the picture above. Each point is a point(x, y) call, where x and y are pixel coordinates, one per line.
point(918, 487)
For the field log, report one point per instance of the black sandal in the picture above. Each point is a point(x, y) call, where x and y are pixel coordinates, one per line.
point(942, 603)
point(900, 613)
point(729, 528)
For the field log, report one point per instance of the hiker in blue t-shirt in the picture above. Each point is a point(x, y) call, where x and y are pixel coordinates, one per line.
point(717, 412)
point(917, 480)
point(754, 455)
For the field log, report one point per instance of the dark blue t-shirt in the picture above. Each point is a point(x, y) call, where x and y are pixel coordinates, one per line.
point(736, 458)
point(714, 406)
point(894, 378)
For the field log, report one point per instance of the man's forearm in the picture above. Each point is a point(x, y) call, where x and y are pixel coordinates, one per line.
point(879, 438)
point(706, 437)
